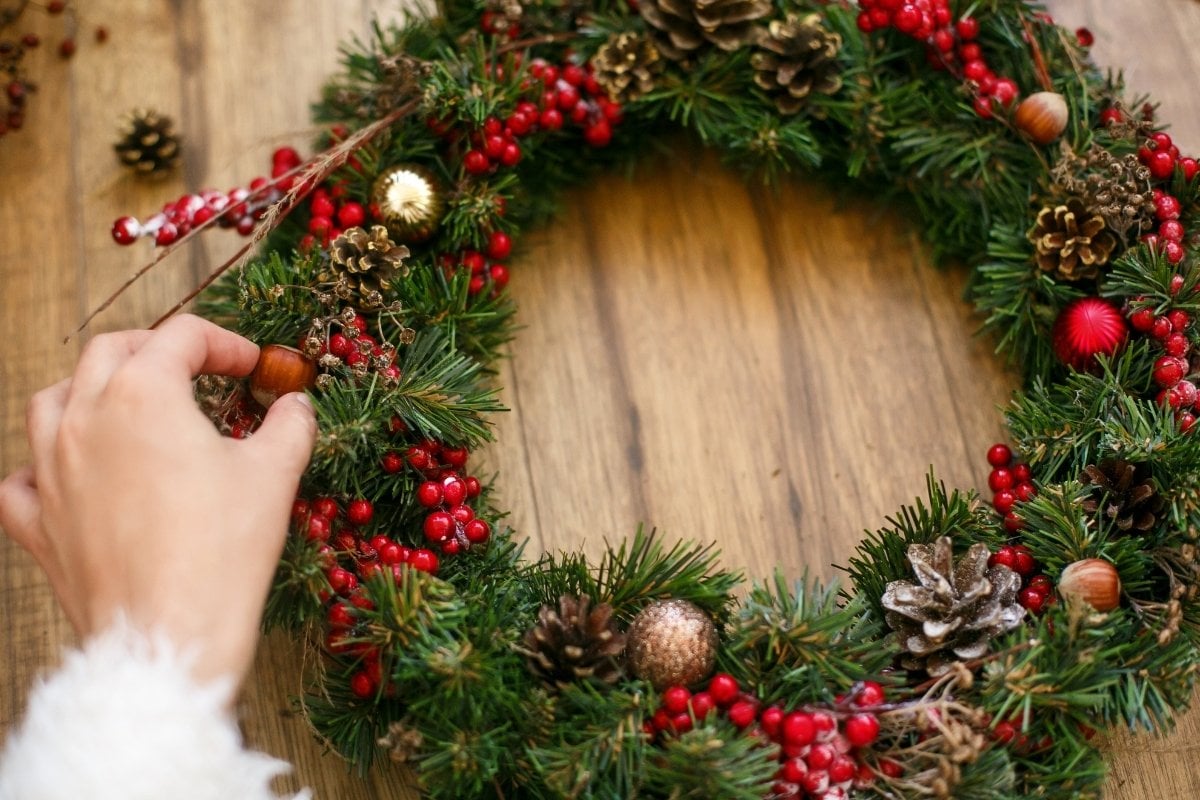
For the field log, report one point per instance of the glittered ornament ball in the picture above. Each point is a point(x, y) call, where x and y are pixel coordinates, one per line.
point(409, 201)
point(671, 643)
point(1087, 328)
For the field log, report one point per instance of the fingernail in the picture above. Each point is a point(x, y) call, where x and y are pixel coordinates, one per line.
point(303, 399)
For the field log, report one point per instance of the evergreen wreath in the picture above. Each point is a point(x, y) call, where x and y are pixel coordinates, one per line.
point(974, 649)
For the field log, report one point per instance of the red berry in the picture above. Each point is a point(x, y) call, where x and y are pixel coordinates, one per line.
point(798, 728)
point(842, 769)
point(166, 235)
point(477, 531)
point(1169, 371)
point(1084, 37)
point(362, 685)
point(391, 553)
point(1172, 230)
point(1161, 165)
point(1000, 478)
point(871, 694)
point(967, 28)
point(1032, 599)
point(675, 699)
point(429, 494)
point(1006, 556)
point(1041, 583)
point(1013, 523)
point(455, 456)
point(820, 756)
point(825, 724)
point(318, 529)
point(424, 560)
point(472, 486)
point(351, 215)
point(499, 275)
point(1142, 320)
point(1166, 207)
point(551, 119)
point(1190, 167)
point(1161, 328)
point(1025, 562)
point(360, 511)
point(816, 782)
point(1003, 501)
point(1004, 732)
point(999, 455)
point(391, 462)
point(499, 246)
point(326, 507)
point(1182, 395)
point(598, 134)
point(126, 230)
point(340, 616)
point(1025, 492)
point(454, 490)
point(1179, 319)
point(462, 514)
point(1005, 92)
point(341, 581)
point(793, 770)
point(724, 688)
point(861, 729)
point(682, 722)
point(418, 457)
point(476, 162)
point(702, 705)
point(511, 155)
point(771, 721)
point(438, 525)
point(742, 713)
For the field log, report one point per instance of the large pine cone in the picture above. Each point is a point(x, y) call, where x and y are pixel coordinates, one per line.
point(684, 26)
point(797, 57)
point(1126, 495)
point(954, 611)
point(626, 66)
point(364, 265)
point(147, 143)
point(1071, 241)
point(576, 642)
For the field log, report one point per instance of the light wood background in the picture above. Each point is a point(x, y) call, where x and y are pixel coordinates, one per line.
point(772, 371)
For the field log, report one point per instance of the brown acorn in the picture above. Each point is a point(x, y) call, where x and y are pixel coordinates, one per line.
point(280, 370)
point(1093, 580)
point(1042, 116)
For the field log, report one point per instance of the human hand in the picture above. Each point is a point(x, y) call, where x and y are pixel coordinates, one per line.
point(135, 504)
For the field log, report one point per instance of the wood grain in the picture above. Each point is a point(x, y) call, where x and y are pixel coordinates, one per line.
point(775, 371)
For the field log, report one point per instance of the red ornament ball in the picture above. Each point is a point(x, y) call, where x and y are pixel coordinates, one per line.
point(1087, 328)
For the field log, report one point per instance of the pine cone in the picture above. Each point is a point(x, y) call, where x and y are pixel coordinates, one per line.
point(797, 57)
point(955, 611)
point(1071, 241)
point(363, 265)
point(626, 66)
point(684, 26)
point(147, 142)
point(1126, 494)
point(575, 643)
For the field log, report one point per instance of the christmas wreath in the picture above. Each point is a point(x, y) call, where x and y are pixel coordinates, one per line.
point(974, 649)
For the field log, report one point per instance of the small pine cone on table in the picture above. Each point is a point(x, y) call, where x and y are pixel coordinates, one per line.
point(365, 265)
point(147, 142)
point(1126, 495)
point(954, 610)
point(575, 642)
point(1071, 241)
point(684, 26)
point(796, 58)
point(627, 66)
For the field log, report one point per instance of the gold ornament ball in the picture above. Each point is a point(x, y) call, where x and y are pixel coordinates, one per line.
point(671, 643)
point(409, 201)
point(1093, 580)
point(1042, 116)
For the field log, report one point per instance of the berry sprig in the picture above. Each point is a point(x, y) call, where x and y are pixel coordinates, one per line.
point(343, 339)
point(1173, 370)
point(451, 523)
point(822, 751)
point(950, 45)
point(240, 208)
point(1011, 482)
point(486, 269)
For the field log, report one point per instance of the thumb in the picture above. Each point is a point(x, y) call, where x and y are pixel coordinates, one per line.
point(287, 434)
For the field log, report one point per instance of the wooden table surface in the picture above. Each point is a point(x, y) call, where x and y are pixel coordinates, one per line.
point(772, 371)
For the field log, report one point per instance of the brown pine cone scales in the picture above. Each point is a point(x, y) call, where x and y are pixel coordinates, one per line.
point(1071, 241)
point(797, 57)
point(954, 610)
point(684, 26)
point(1126, 497)
point(575, 642)
point(364, 265)
point(626, 66)
point(147, 142)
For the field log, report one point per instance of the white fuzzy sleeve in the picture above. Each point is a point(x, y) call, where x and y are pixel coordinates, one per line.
point(124, 719)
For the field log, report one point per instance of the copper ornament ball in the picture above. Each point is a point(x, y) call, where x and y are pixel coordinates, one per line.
point(671, 643)
point(279, 371)
point(409, 202)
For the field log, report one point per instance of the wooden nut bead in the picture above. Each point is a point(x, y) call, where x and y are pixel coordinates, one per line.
point(1042, 116)
point(280, 370)
point(1093, 580)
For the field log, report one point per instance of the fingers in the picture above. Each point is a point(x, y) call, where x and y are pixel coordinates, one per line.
point(187, 346)
point(287, 435)
point(21, 512)
point(43, 416)
point(103, 356)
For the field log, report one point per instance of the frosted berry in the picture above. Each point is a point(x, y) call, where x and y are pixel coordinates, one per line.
point(871, 694)
point(126, 230)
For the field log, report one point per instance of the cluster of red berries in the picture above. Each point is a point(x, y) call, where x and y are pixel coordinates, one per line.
point(450, 524)
point(17, 86)
point(822, 752)
point(1161, 157)
point(950, 45)
point(486, 269)
point(355, 347)
point(1037, 591)
point(1010, 483)
point(239, 208)
point(331, 213)
point(1172, 369)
